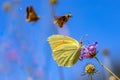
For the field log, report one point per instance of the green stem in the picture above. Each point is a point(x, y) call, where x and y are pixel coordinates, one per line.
point(60, 73)
point(107, 69)
point(90, 76)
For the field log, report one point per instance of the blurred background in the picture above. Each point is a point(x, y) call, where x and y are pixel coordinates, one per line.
point(25, 53)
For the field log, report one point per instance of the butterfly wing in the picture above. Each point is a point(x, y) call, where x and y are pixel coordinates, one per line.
point(27, 11)
point(31, 14)
point(60, 21)
point(66, 50)
point(33, 11)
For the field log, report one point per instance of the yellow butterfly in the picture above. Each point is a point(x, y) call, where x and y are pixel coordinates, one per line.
point(61, 20)
point(66, 50)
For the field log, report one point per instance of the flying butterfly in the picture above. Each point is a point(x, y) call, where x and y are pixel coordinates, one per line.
point(61, 20)
point(31, 14)
point(65, 50)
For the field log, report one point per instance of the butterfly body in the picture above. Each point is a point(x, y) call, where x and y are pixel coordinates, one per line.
point(65, 50)
point(62, 20)
point(31, 14)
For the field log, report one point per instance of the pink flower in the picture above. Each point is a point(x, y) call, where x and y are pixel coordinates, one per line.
point(89, 51)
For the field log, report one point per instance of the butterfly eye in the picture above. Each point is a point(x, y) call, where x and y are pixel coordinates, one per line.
point(81, 42)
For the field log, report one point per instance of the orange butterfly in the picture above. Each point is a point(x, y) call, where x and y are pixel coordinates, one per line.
point(61, 20)
point(31, 14)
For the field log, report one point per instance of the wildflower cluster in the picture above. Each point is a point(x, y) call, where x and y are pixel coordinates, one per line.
point(89, 51)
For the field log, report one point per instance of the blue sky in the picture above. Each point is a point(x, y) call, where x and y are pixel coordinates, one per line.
point(100, 19)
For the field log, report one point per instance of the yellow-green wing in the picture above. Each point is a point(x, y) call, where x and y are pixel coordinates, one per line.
point(57, 40)
point(66, 50)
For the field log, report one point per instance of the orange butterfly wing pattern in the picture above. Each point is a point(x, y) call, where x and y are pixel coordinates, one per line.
point(31, 14)
point(61, 20)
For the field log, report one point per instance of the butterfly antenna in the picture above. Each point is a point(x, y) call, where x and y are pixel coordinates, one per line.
point(83, 37)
